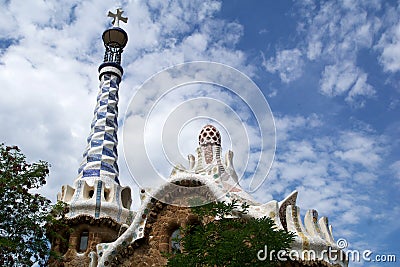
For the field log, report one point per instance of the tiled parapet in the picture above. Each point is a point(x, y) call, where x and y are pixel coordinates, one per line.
point(98, 198)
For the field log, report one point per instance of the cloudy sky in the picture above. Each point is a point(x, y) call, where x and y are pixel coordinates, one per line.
point(330, 71)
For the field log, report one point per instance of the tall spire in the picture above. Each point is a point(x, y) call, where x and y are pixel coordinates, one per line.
point(97, 191)
point(100, 156)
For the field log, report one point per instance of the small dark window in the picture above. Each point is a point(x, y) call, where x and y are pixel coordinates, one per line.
point(91, 192)
point(176, 241)
point(84, 240)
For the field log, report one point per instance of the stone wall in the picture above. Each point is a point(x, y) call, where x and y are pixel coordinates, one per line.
point(162, 221)
point(99, 231)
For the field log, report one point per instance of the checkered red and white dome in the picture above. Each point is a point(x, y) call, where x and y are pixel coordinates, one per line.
point(209, 135)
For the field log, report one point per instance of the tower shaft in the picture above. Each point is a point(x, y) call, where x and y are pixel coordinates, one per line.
point(100, 156)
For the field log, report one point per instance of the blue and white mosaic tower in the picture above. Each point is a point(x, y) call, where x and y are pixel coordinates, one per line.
point(97, 191)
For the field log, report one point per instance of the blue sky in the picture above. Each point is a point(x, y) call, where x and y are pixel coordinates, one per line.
point(330, 71)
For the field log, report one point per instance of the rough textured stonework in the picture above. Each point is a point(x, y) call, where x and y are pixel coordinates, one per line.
point(99, 230)
point(162, 221)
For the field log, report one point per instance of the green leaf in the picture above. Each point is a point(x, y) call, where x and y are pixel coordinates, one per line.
point(24, 216)
point(231, 240)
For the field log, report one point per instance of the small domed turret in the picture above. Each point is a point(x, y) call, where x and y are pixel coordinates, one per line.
point(209, 135)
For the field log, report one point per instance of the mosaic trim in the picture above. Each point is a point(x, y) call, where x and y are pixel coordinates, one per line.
point(76, 197)
point(299, 230)
point(98, 199)
point(100, 156)
point(118, 196)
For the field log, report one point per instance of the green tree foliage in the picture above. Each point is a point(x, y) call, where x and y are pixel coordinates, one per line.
point(24, 217)
point(234, 239)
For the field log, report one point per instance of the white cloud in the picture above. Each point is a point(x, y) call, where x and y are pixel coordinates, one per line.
point(332, 35)
point(314, 50)
point(360, 148)
point(333, 172)
point(49, 74)
point(287, 63)
point(345, 79)
point(365, 177)
point(389, 43)
point(337, 79)
point(337, 30)
point(395, 168)
point(288, 125)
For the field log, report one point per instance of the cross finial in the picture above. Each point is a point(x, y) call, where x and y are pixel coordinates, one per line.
point(117, 17)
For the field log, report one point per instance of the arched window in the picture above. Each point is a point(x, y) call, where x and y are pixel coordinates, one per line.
point(83, 241)
point(175, 241)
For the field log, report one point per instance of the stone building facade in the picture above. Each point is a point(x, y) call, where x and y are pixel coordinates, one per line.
point(107, 233)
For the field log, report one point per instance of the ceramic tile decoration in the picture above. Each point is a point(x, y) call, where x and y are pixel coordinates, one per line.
point(97, 193)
